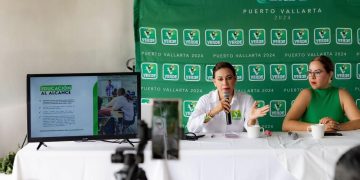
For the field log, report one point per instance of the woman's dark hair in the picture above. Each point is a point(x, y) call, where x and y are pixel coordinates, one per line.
point(326, 62)
point(347, 167)
point(221, 65)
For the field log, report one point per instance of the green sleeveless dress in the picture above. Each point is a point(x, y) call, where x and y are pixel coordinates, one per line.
point(324, 103)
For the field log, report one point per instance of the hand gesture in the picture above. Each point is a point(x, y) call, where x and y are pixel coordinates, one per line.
point(330, 124)
point(258, 112)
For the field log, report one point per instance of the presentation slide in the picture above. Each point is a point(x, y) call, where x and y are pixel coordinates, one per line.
point(62, 106)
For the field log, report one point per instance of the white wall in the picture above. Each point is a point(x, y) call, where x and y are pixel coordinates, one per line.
point(56, 36)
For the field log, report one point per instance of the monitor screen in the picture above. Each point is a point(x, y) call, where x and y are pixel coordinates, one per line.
point(82, 106)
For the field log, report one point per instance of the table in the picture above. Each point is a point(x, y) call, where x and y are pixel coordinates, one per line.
point(270, 158)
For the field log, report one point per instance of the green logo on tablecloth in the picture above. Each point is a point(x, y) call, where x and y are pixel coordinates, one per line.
point(209, 72)
point(147, 35)
point(278, 37)
point(235, 37)
point(145, 100)
point(256, 72)
point(277, 108)
point(192, 72)
point(239, 70)
point(342, 71)
point(257, 37)
point(213, 37)
point(358, 70)
point(149, 70)
point(260, 103)
point(169, 36)
point(170, 72)
point(300, 36)
point(278, 72)
point(299, 71)
point(191, 37)
point(188, 107)
point(343, 36)
point(322, 36)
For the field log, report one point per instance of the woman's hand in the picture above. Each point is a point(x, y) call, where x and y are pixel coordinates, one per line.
point(330, 124)
point(224, 105)
point(258, 112)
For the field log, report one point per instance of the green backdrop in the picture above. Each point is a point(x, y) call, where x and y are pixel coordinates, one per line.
point(270, 42)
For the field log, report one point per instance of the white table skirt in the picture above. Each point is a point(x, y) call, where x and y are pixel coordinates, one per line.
point(269, 158)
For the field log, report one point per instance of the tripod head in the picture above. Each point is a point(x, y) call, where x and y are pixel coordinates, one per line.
point(126, 155)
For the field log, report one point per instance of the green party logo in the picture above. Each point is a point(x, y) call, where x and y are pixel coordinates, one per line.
point(256, 72)
point(257, 37)
point(343, 35)
point(260, 103)
point(278, 72)
point(277, 108)
point(358, 71)
point(170, 72)
point(147, 35)
point(209, 72)
point(145, 100)
point(343, 71)
point(235, 37)
point(300, 36)
point(299, 71)
point(149, 70)
point(191, 37)
point(278, 37)
point(188, 107)
point(322, 36)
point(235, 114)
point(192, 72)
point(169, 36)
point(358, 36)
point(239, 70)
point(213, 37)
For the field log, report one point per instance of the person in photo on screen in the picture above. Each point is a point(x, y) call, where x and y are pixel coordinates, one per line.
point(348, 165)
point(322, 102)
point(122, 103)
point(109, 89)
point(209, 115)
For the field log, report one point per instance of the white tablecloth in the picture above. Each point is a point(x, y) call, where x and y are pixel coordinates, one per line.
point(268, 158)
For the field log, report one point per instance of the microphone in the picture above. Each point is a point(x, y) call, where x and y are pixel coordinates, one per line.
point(228, 114)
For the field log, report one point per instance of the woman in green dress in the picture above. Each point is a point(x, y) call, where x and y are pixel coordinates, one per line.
point(322, 102)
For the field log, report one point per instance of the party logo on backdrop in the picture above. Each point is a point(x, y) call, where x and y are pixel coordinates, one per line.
point(343, 71)
point(192, 72)
point(209, 72)
point(256, 72)
point(257, 37)
point(213, 37)
point(147, 35)
point(278, 37)
point(358, 70)
point(191, 37)
point(169, 36)
point(299, 71)
point(235, 37)
point(358, 36)
point(170, 72)
point(343, 35)
point(149, 71)
point(277, 108)
point(239, 70)
point(322, 36)
point(260, 103)
point(145, 100)
point(300, 36)
point(188, 107)
point(278, 72)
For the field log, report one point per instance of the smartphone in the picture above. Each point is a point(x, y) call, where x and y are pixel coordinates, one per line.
point(332, 134)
